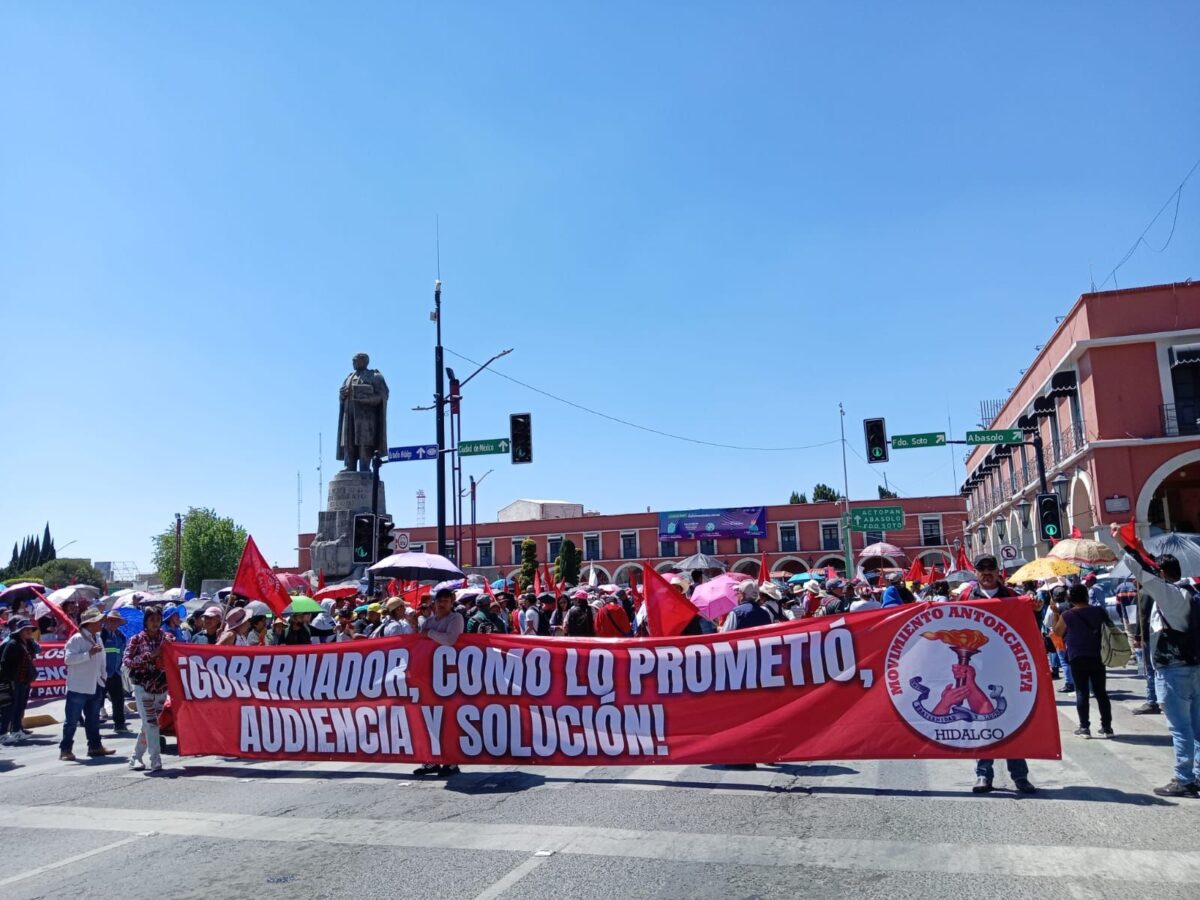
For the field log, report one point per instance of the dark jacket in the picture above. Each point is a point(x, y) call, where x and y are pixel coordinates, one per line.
point(580, 622)
point(16, 661)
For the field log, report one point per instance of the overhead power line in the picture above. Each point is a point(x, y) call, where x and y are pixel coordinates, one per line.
point(1176, 196)
point(646, 428)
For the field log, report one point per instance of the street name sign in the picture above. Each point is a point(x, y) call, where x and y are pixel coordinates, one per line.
point(877, 518)
point(483, 447)
point(908, 441)
point(408, 454)
point(996, 436)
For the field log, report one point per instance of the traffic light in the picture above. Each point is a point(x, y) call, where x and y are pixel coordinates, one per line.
point(1049, 517)
point(877, 442)
point(383, 537)
point(520, 434)
point(364, 539)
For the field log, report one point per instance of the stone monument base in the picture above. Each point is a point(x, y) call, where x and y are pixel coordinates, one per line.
point(333, 548)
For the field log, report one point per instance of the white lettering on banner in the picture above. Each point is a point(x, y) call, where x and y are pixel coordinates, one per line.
point(299, 676)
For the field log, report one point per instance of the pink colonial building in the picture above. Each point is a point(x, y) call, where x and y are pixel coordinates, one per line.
point(1115, 395)
point(798, 537)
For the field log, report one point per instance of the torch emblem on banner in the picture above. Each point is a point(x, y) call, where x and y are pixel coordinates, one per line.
point(962, 700)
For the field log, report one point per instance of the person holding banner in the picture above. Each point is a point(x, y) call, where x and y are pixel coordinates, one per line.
point(988, 585)
point(143, 658)
point(17, 673)
point(444, 627)
point(86, 679)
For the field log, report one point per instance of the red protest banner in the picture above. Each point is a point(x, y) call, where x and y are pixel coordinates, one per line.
point(929, 680)
point(50, 682)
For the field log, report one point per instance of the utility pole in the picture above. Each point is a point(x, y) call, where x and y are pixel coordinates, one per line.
point(179, 551)
point(847, 551)
point(439, 400)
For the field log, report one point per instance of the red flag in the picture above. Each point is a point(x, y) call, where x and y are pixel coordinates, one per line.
point(548, 578)
point(393, 588)
point(487, 589)
point(1127, 534)
point(916, 571)
point(320, 578)
point(830, 573)
point(763, 572)
point(961, 562)
point(59, 614)
point(633, 589)
point(537, 581)
point(1076, 533)
point(668, 612)
point(255, 580)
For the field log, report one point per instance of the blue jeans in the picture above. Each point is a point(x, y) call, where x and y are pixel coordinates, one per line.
point(89, 706)
point(1017, 768)
point(1179, 696)
point(1151, 683)
point(1069, 679)
point(12, 716)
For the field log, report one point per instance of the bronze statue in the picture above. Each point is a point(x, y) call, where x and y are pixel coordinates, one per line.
point(362, 416)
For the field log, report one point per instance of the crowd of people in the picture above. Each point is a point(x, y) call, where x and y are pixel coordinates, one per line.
point(1159, 610)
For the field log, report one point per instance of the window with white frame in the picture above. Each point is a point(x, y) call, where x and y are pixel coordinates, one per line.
point(788, 541)
point(931, 531)
point(591, 546)
point(516, 550)
point(483, 553)
point(629, 545)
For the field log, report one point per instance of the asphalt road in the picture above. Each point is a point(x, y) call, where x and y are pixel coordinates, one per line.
point(891, 829)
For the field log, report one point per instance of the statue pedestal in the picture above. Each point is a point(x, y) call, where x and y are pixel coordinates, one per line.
point(333, 548)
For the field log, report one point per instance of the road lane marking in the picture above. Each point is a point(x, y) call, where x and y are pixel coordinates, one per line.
point(40, 870)
point(1011, 860)
point(498, 888)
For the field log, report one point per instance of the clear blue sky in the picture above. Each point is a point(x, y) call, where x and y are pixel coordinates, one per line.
point(714, 219)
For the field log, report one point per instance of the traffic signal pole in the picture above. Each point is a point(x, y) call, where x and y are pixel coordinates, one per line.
point(439, 400)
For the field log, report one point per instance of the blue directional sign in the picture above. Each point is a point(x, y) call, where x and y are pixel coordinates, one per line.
point(407, 454)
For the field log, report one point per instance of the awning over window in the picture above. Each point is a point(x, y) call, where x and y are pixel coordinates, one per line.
point(1184, 355)
point(1063, 383)
point(1043, 407)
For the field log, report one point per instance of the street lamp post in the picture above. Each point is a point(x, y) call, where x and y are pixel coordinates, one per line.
point(439, 399)
point(474, 542)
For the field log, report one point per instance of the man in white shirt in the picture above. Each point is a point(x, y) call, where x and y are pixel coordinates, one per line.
point(866, 599)
point(529, 615)
point(86, 677)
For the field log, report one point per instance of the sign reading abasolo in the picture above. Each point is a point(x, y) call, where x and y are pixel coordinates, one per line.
point(933, 681)
point(744, 522)
point(877, 518)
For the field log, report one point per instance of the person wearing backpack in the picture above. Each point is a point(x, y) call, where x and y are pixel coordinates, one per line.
point(1174, 647)
point(1081, 627)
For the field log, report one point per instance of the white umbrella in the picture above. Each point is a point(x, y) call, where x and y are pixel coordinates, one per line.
point(75, 592)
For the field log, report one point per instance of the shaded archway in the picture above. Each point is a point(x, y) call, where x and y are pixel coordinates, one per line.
point(621, 576)
point(1170, 498)
point(746, 566)
point(837, 562)
point(602, 574)
point(790, 564)
point(939, 558)
point(1081, 506)
point(667, 566)
point(871, 563)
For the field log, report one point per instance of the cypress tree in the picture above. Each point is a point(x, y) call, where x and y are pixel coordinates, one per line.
point(48, 552)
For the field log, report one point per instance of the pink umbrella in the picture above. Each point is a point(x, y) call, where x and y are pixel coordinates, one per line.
point(717, 596)
point(336, 592)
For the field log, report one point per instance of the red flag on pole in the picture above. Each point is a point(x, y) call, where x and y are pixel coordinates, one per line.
point(254, 579)
point(1127, 534)
point(537, 581)
point(830, 573)
point(320, 578)
point(916, 571)
point(763, 572)
point(1076, 533)
point(59, 614)
point(633, 589)
point(668, 612)
point(961, 562)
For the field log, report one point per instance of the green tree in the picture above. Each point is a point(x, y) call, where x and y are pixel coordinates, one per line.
point(798, 497)
point(822, 493)
point(566, 564)
point(885, 494)
point(62, 572)
point(529, 563)
point(48, 553)
point(212, 547)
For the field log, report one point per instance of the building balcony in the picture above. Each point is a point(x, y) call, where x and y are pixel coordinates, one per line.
point(1180, 418)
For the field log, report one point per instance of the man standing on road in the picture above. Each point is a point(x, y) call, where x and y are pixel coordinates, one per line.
point(1174, 647)
point(529, 616)
point(114, 648)
point(86, 677)
point(445, 627)
point(989, 586)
